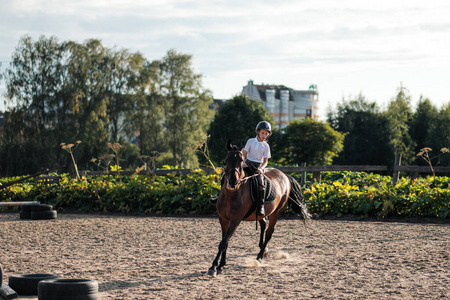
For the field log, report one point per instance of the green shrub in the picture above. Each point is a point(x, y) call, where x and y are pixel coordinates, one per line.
point(340, 193)
point(369, 195)
point(171, 194)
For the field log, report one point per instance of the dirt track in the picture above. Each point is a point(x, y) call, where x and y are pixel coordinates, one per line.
point(167, 258)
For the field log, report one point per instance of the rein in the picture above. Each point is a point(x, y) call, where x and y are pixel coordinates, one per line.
point(248, 177)
point(245, 178)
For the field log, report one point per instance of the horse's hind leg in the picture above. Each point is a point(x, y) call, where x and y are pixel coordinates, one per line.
point(262, 246)
point(270, 229)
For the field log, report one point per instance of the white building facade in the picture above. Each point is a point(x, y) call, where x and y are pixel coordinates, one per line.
point(285, 104)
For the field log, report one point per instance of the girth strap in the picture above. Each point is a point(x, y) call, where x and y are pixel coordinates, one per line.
point(250, 211)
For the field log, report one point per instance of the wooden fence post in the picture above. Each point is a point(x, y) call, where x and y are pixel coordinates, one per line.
point(397, 162)
point(303, 180)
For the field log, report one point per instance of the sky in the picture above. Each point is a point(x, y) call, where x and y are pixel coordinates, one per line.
point(346, 47)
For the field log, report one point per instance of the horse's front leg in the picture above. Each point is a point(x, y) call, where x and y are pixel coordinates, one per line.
point(223, 260)
point(262, 245)
point(216, 268)
point(222, 249)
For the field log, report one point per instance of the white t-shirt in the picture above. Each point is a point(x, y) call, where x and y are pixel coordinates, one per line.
point(256, 150)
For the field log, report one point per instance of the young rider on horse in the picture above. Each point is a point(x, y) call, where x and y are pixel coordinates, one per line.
point(256, 155)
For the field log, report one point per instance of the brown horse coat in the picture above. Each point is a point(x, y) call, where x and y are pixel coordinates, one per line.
point(234, 201)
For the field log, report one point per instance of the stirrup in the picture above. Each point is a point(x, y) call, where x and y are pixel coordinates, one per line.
point(213, 201)
point(260, 210)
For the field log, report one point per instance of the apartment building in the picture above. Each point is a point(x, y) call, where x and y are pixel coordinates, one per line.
point(283, 103)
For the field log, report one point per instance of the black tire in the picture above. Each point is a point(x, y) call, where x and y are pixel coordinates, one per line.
point(42, 207)
point(44, 215)
point(27, 284)
point(68, 289)
point(29, 207)
point(25, 215)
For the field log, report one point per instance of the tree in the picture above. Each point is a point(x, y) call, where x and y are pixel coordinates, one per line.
point(186, 106)
point(89, 71)
point(236, 119)
point(366, 130)
point(64, 92)
point(310, 141)
point(143, 113)
point(103, 86)
point(35, 81)
point(127, 76)
point(439, 136)
point(145, 118)
point(399, 115)
point(12, 151)
point(423, 121)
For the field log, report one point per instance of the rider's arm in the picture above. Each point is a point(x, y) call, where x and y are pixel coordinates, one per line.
point(263, 165)
point(244, 153)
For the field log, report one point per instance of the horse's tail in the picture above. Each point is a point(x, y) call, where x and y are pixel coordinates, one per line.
point(297, 201)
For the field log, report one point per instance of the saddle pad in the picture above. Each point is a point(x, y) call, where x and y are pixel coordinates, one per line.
point(270, 194)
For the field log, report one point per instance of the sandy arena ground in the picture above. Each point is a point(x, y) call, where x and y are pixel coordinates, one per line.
point(133, 257)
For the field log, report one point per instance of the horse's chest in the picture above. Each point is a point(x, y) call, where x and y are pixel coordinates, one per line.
point(237, 205)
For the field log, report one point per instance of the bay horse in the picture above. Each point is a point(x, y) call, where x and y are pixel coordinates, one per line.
point(234, 204)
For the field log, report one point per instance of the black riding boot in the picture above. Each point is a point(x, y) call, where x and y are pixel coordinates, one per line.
point(260, 208)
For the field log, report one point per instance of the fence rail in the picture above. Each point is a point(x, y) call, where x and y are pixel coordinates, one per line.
point(145, 172)
point(307, 169)
point(421, 169)
point(332, 168)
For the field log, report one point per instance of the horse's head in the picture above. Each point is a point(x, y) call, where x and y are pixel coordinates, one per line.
point(234, 170)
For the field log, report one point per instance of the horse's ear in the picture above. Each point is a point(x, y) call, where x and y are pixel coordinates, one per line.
point(229, 146)
point(242, 145)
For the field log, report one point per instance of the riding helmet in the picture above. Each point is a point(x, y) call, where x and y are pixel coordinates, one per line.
point(264, 125)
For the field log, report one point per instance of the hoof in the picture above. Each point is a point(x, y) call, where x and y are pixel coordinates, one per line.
point(212, 273)
point(219, 271)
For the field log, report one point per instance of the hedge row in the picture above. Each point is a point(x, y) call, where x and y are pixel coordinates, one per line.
point(369, 195)
point(340, 193)
point(171, 194)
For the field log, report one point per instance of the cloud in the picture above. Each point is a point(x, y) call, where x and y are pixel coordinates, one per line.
point(284, 42)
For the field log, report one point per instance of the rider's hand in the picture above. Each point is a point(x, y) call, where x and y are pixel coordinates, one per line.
point(259, 171)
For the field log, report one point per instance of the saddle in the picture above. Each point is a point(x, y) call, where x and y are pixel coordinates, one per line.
point(270, 193)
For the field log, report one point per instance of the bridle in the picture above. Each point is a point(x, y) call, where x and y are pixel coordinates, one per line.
point(237, 170)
